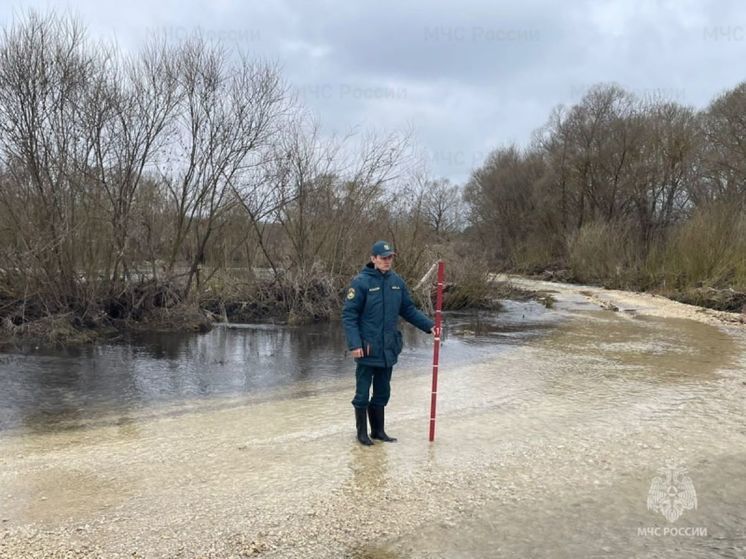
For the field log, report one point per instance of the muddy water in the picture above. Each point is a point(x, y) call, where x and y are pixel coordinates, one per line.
point(158, 373)
point(552, 427)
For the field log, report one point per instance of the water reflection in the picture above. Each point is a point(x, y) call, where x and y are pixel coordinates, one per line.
point(369, 470)
point(64, 389)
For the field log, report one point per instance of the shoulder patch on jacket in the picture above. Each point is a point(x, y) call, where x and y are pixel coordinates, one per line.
point(351, 293)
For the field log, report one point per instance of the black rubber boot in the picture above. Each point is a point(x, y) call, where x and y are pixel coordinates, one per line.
point(362, 427)
point(376, 424)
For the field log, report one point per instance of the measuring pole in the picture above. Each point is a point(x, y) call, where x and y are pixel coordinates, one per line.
point(436, 346)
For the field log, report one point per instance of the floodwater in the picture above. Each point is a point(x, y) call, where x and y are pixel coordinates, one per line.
point(553, 426)
point(157, 374)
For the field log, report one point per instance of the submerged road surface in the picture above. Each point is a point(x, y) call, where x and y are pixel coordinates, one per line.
point(612, 434)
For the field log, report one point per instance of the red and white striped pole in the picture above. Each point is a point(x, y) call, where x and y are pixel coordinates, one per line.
point(436, 346)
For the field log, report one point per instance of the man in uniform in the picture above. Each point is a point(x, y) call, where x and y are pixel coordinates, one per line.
point(375, 300)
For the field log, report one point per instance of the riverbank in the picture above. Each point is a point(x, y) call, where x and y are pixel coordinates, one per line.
point(157, 308)
point(547, 450)
point(723, 299)
point(629, 302)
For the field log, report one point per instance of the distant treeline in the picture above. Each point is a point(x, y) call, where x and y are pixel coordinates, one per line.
point(188, 175)
point(186, 180)
point(641, 194)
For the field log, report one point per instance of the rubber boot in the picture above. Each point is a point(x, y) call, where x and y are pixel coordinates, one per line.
point(376, 424)
point(362, 427)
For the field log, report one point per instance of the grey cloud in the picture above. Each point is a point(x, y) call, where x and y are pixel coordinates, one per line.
point(469, 75)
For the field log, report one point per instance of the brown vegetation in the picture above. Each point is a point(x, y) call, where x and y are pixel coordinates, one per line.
point(185, 184)
point(624, 193)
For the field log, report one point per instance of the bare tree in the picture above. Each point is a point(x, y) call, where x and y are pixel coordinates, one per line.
point(442, 207)
point(226, 113)
point(723, 164)
point(128, 109)
point(302, 177)
point(45, 70)
point(501, 197)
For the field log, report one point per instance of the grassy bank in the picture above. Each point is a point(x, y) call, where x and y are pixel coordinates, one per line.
point(701, 261)
point(159, 306)
point(721, 299)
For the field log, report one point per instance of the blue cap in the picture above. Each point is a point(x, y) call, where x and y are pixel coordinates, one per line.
point(382, 248)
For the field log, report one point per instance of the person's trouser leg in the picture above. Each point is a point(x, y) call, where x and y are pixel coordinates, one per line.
point(381, 386)
point(381, 395)
point(363, 379)
point(364, 375)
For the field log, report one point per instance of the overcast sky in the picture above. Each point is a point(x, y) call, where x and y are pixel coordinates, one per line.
point(468, 76)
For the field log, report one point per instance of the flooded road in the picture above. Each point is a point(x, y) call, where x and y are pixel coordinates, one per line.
point(552, 429)
point(156, 373)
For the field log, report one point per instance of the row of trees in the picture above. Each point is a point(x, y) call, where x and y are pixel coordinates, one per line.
point(195, 171)
point(178, 165)
point(624, 191)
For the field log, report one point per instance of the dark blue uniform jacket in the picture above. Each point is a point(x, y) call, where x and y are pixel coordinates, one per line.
point(372, 307)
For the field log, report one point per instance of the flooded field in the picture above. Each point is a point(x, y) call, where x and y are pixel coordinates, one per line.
point(553, 427)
